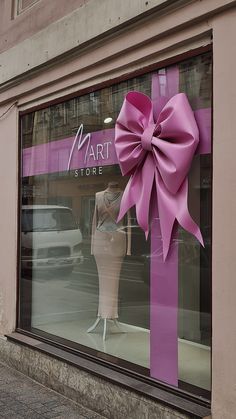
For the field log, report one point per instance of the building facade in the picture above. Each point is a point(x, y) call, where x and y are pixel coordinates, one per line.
point(117, 172)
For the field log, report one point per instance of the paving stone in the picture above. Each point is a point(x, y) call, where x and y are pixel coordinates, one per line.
point(23, 398)
point(35, 405)
point(71, 417)
point(31, 414)
point(43, 409)
point(52, 414)
point(53, 403)
point(7, 413)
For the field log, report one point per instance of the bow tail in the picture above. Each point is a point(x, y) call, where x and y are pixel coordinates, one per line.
point(183, 216)
point(138, 192)
point(127, 200)
point(173, 207)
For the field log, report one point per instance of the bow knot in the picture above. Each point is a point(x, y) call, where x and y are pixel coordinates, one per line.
point(146, 137)
point(158, 157)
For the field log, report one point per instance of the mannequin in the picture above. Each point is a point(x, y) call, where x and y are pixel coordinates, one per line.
point(110, 243)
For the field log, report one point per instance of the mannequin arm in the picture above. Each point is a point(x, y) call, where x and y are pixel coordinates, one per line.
point(128, 234)
point(94, 224)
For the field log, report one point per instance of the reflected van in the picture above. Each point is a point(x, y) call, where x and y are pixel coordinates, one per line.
point(50, 238)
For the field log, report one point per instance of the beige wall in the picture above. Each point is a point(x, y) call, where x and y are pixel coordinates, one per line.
point(72, 33)
point(8, 217)
point(224, 224)
point(158, 38)
point(14, 29)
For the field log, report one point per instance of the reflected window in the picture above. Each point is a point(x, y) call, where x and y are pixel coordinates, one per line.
point(22, 5)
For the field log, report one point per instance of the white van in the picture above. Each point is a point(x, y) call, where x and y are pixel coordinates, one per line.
point(50, 238)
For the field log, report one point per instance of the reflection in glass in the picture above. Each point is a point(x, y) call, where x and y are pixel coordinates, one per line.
point(80, 267)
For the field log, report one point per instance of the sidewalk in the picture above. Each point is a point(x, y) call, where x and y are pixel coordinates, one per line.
point(21, 398)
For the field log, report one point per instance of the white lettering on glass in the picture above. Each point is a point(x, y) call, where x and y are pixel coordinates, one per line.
point(92, 152)
point(88, 171)
point(99, 151)
point(106, 147)
point(81, 141)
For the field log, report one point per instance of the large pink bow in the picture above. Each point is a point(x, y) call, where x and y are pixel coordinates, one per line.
point(157, 155)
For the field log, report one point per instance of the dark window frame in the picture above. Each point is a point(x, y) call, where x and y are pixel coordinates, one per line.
point(201, 398)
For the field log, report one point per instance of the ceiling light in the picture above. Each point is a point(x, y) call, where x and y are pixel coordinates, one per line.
point(108, 120)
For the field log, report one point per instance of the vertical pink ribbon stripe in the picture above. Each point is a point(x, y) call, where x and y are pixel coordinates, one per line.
point(164, 275)
point(155, 142)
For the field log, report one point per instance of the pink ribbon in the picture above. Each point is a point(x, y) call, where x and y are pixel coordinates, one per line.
point(157, 155)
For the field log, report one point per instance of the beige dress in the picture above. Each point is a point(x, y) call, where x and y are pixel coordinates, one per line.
point(110, 243)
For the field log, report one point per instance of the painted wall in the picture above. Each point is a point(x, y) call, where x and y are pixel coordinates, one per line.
point(224, 211)
point(69, 33)
point(14, 29)
point(8, 217)
point(154, 41)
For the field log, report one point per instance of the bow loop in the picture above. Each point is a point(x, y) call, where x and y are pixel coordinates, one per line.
point(146, 137)
point(177, 141)
point(134, 117)
point(158, 157)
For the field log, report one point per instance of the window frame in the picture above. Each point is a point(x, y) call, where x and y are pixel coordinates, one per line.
point(106, 362)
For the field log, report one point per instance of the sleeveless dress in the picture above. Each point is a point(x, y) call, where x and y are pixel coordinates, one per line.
point(109, 246)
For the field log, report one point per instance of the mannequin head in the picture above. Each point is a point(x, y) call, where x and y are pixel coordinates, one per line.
point(113, 185)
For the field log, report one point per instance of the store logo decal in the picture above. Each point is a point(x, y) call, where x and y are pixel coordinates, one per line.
point(93, 152)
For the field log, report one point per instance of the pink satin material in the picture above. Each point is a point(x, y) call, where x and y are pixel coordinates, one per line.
point(157, 155)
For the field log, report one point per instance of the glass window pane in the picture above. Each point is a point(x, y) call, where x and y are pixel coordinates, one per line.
point(86, 277)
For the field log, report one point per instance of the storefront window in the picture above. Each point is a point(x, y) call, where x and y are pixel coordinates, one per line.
point(85, 277)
